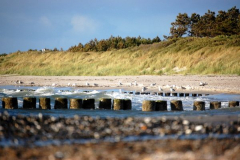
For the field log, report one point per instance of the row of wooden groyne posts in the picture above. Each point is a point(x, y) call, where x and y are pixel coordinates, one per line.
point(106, 103)
point(166, 94)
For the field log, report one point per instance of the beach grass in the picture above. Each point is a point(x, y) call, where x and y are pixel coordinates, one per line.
point(219, 55)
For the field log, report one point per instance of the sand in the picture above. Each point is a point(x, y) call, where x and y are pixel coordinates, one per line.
point(188, 83)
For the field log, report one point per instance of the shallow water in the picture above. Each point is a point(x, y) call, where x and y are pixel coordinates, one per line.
point(68, 92)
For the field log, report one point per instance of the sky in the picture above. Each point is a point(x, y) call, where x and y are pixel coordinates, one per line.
point(33, 24)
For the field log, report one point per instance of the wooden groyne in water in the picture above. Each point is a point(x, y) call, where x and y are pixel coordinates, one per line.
point(106, 103)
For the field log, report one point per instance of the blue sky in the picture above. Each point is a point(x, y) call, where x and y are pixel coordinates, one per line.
point(32, 24)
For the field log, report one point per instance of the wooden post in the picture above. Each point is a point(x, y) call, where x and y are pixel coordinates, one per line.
point(75, 103)
point(148, 105)
point(199, 105)
point(61, 103)
point(176, 105)
point(44, 103)
point(29, 103)
point(105, 103)
point(9, 103)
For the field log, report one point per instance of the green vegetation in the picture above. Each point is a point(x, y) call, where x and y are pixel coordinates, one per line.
point(189, 55)
point(212, 46)
point(208, 25)
point(112, 43)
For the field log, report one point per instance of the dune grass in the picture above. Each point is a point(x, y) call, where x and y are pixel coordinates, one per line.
point(219, 55)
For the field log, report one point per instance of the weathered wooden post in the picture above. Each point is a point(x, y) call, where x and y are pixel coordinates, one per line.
point(29, 103)
point(167, 94)
point(44, 103)
point(127, 104)
point(233, 103)
point(215, 105)
point(199, 105)
point(118, 104)
point(161, 105)
point(61, 103)
point(148, 105)
point(9, 103)
point(75, 103)
point(176, 105)
point(88, 103)
point(105, 103)
point(181, 94)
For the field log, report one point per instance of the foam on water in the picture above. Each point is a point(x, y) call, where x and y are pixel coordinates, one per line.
point(69, 92)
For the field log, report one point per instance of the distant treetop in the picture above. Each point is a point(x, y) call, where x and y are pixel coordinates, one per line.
point(207, 25)
point(112, 43)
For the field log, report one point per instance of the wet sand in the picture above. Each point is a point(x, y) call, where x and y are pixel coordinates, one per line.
point(188, 83)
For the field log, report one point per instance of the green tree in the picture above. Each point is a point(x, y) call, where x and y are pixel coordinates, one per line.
point(102, 45)
point(180, 26)
point(193, 28)
point(156, 40)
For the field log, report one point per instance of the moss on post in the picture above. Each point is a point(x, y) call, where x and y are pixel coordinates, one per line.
point(215, 105)
point(148, 105)
point(9, 103)
point(199, 105)
point(176, 105)
point(29, 103)
point(75, 103)
point(44, 103)
point(233, 103)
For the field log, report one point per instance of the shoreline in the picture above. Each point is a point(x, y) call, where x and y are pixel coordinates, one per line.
point(188, 83)
point(189, 149)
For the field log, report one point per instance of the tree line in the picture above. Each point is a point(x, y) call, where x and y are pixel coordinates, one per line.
point(207, 25)
point(112, 43)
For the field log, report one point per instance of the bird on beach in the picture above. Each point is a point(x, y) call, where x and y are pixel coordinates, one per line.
point(153, 84)
point(160, 89)
point(188, 87)
point(119, 83)
point(95, 84)
point(172, 90)
point(87, 84)
point(135, 83)
point(19, 82)
point(69, 84)
point(54, 84)
point(144, 89)
point(74, 85)
point(202, 83)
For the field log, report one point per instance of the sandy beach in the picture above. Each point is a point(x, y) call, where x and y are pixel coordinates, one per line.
point(188, 83)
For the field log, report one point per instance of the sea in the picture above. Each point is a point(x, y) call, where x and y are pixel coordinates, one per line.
point(137, 99)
